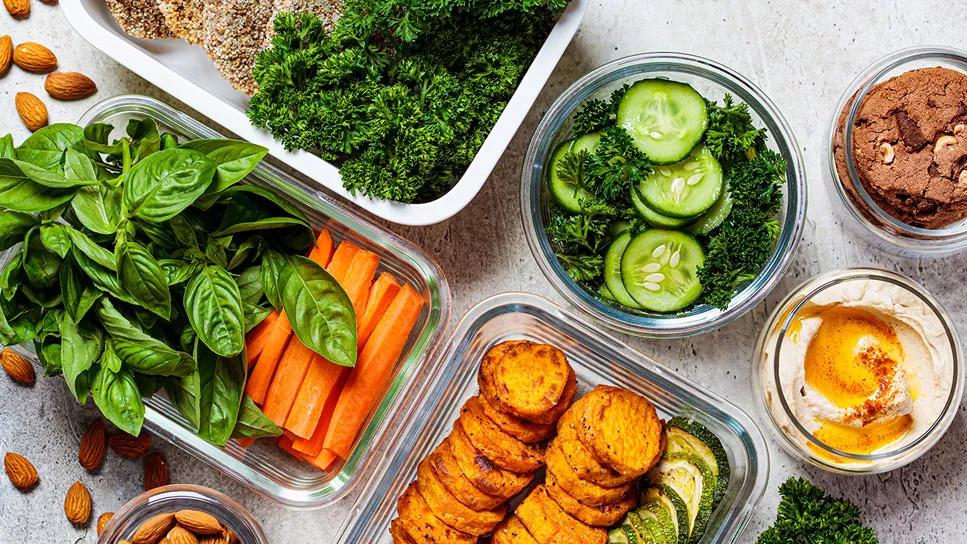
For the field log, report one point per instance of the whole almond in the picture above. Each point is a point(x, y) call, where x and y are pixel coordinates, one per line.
point(33, 57)
point(93, 446)
point(102, 521)
point(6, 54)
point(180, 535)
point(15, 365)
point(213, 540)
point(19, 9)
point(156, 471)
point(69, 86)
point(21, 472)
point(33, 113)
point(77, 504)
point(198, 522)
point(129, 446)
point(154, 529)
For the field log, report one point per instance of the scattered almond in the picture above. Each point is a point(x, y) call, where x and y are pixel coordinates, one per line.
point(33, 57)
point(129, 446)
point(21, 472)
point(154, 529)
point(33, 113)
point(156, 471)
point(69, 86)
point(102, 521)
point(19, 9)
point(180, 535)
point(77, 504)
point(198, 522)
point(6, 54)
point(16, 366)
point(93, 446)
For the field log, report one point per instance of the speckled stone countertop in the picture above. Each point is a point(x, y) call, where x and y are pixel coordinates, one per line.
point(802, 54)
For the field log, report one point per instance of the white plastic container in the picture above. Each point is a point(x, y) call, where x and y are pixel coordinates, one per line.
point(185, 72)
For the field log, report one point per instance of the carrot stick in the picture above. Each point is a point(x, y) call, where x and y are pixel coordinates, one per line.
point(324, 461)
point(322, 250)
point(261, 376)
point(245, 442)
point(288, 378)
point(341, 260)
point(358, 279)
point(256, 339)
point(380, 296)
point(313, 445)
point(286, 444)
point(374, 370)
point(319, 384)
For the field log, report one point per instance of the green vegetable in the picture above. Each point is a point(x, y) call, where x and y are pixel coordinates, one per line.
point(731, 135)
point(222, 382)
point(252, 423)
point(117, 394)
point(807, 514)
point(214, 306)
point(320, 311)
point(141, 277)
point(167, 182)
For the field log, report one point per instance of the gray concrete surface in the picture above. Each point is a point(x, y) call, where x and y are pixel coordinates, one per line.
point(801, 53)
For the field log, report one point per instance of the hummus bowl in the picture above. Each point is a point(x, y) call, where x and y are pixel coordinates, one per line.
point(858, 371)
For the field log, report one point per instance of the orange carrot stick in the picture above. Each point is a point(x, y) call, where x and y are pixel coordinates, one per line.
point(322, 250)
point(341, 260)
point(245, 442)
point(374, 370)
point(324, 461)
point(256, 339)
point(261, 376)
point(358, 278)
point(286, 444)
point(380, 296)
point(313, 445)
point(288, 378)
point(319, 383)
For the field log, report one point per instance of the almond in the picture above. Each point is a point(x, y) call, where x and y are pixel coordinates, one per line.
point(198, 522)
point(19, 9)
point(21, 472)
point(33, 57)
point(156, 471)
point(69, 86)
point(180, 535)
point(33, 113)
point(213, 540)
point(77, 504)
point(16, 366)
point(154, 529)
point(102, 521)
point(129, 446)
point(93, 446)
point(6, 54)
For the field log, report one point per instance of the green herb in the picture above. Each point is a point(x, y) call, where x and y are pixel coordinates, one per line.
point(807, 514)
point(731, 135)
point(615, 165)
point(597, 114)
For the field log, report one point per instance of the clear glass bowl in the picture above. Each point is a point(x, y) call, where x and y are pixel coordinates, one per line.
point(596, 358)
point(713, 81)
point(792, 434)
point(172, 498)
point(264, 467)
point(861, 210)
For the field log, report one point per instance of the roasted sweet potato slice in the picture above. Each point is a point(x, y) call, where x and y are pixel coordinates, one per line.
point(622, 429)
point(596, 516)
point(450, 510)
point(399, 534)
point(512, 531)
point(585, 463)
point(482, 472)
point(418, 522)
point(545, 520)
point(587, 492)
point(521, 429)
point(525, 379)
point(498, 446)
point(444, 463)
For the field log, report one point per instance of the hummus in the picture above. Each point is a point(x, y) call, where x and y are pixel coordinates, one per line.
point(865, 367)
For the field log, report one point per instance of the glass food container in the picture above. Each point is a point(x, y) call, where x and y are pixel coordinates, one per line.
point(171, 499)
point(264, 467)
point(866, 217)
point(712, 81)
point(596, 358)
point(780, 399)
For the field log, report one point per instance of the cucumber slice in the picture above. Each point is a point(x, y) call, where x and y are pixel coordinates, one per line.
point(663, 529)
point(612, 271)
point(622, 535)
point(652, 217)
point(684, 189)
point(686, 436)
point(667, 498)
point(566, 193)
point(617, 228)
point(659, 270)
point(606, 294)
point(715, 216)
point(665, 118)
point(692, 479)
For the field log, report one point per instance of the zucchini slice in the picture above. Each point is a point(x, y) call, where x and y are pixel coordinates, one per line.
point(687, 436)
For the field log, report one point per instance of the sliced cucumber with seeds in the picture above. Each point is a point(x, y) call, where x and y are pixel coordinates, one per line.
point(665, 118)
point(612, 271)
point(568, 194)
point(667, 498)
point(684, 189)
point(659, 521)
point(659, 269)
point(686, 436)
point(715, 216)
point(652, 217)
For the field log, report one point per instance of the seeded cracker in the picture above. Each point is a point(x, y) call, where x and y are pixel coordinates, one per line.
point(184, 18)
point(234, 34)
point(140, 18)
point(327, 11)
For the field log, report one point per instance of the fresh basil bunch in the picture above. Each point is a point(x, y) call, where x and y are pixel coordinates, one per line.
point(142, 263)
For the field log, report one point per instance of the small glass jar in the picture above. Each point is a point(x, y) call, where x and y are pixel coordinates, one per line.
point(775, 383)
point(859, 209)
point(173, 498)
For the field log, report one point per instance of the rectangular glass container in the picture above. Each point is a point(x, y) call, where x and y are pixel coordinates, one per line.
point(264, 467)
point(596, 358)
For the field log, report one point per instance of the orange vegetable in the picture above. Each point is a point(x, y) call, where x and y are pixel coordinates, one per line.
point(374, 369)
point(256, 339)
point(319, 384)
point(324, 461)
point(313, 445)
point(322, 250)
point(380, 295)
point(358, 278)
point(245, 442)
point(288, 378)
point(341, 260)
point(261, 376)
point(286, 444)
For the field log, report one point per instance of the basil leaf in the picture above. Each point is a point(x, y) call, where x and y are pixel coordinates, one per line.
point(183, 230)
point(254, 314)
point(79, 350)
point(48, 352)
point(319, 310)
point(117, 395)
point(233, 159)
point(168, 140)
point(50, 178)
point(177, 271)
point(273, 263)
point(158, 233)
point(269, 223)
point(98, 134)
point(103, 278)
point(13, 227)
point(250, 285)
point(79, 168)
point(98, 208)
point(215, 252)
point(91, 249)
point(17, 323)
point(250, 247)
point(39, 263)
point(266, 195)
point(222, 384)
point(45, 148)
point(214, 307)
point(142, 278)
point(10, 276)
point(56, 238)
point(253, 423)
point(165, 183)
point(78, 297)
point(148, 385)
point(185, 394)
point(19, 193)
point(7, 149)
point(146, 139)
point(141, 352)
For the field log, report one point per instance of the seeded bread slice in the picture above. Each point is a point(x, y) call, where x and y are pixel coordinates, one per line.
point(184, 18)
point(140, 18)
point(234, 35)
